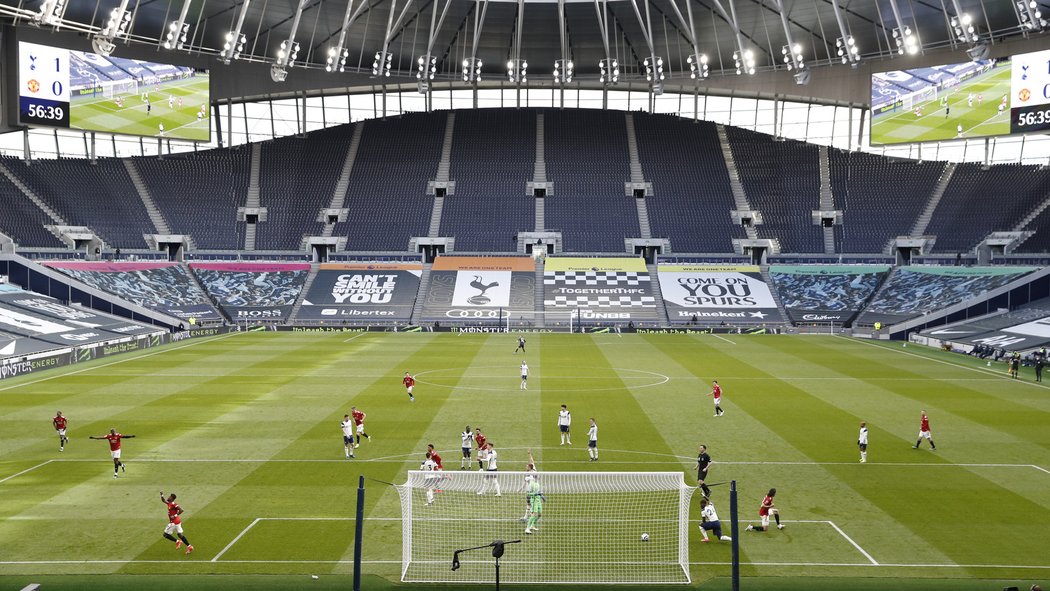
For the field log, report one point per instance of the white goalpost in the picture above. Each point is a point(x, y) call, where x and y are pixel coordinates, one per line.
point(594, 527)
point(112, 88)
point(912, 99)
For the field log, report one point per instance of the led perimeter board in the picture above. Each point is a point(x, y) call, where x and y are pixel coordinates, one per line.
point(89, 92)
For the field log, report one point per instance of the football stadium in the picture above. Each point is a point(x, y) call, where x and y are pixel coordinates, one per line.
point(465, 294)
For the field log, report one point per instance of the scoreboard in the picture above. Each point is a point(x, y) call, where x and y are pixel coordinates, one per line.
point(43, 82)
point(1030, 87)
point(90, 92)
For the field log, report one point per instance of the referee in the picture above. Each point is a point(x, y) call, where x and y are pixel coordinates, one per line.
point(703, 462)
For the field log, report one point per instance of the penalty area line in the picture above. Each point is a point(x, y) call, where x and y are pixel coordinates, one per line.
point(234, 540)
point(854, 544)
point(26, 470)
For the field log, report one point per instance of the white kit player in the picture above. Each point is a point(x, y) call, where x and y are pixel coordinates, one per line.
point(564, 423)
point(491, 467)
point(592, 441)
point(347, 425)
point(171, 102)
point(524, 376)
point(467, 443)
point(430, 481)
point(862, 442)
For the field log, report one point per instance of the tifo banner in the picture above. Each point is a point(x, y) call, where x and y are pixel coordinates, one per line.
point(601, 288)
point(914, 291)
point(362, 292)
point(162, 286)
point(77, 317)
point(712, 294)
point(480, 289)
point(253, 291)
point(1023, 336)
point(825, 293)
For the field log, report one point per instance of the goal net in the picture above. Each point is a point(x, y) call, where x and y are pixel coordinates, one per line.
point(112, 88)
point(600, 527)
point(914, 99)
point(552, 320)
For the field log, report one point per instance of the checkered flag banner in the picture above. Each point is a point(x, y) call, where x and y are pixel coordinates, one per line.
point(598, 289)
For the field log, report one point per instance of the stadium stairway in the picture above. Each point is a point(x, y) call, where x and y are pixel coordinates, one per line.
point(539, 175)
point(442, 176)
point(160, 224)
point(207, 294)
point(654, 281)
point(827, 198)
point(44, 207)
point(424, 285)
point(252, 201)
point(923, 221)
point(637, 176)
point(764, 270)
point(1028, 219)
point(314, 268)
point(739, 196)
point(342, 185)
point(541, 318)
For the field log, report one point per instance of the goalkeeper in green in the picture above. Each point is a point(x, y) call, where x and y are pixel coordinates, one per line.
point(535, 499)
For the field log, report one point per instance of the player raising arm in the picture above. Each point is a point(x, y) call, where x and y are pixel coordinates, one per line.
point(765, 511)
point(114, 448)
point(60, 425)
point(530, 475)
point(175, 523)
point(467, 437)
point(534, 499)
point(409, 383)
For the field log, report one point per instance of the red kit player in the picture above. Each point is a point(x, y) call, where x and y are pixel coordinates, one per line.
point(765, 511)
point(924, 432)
point(175, 523)
point(480, 440)
point(114, 448)
point(359, 423)
point(60, 425)
point(409, 382)
point(716, 393)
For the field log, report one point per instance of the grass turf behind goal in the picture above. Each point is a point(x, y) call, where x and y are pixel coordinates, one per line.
point(245, 429)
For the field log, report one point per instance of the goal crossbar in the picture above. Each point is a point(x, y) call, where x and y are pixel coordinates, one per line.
point(586, 527)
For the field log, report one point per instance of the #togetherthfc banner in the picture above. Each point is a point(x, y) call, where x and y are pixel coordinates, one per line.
point(825, 293)
point(480, 289)
point(253, 291)
point(362, 292)
point(733, 294)
point(600, 288)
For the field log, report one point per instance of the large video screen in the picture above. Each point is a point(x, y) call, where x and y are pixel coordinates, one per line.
point(957, 101)
point(90, 92)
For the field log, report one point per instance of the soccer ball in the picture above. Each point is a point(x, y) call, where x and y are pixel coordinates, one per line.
point(645, 537)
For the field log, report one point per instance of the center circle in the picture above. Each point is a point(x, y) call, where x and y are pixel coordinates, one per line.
point(467, 378)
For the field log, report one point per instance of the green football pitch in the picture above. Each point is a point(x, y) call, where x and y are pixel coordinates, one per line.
point(980, 119)
point(245, 429)
point(98, 113)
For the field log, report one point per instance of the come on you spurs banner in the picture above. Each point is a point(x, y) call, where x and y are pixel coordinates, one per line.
point(362, 292)
point(713, 294)
point(480, 289)
point(601, 288)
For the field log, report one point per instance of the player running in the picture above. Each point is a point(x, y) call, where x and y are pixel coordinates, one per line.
point(924, 432)
point(409, 381)
point(592, 441)
point(564, 423)
point(347, 425)
point(359, 421)
point(480, 439)
point(524, 376)
point(521, 346)
point(114, 448)
point(765, 511)
point(175, 523)
point(862, 442)
point(716, 393)
point(467, 438)
point(60, 425)
point(709, 521)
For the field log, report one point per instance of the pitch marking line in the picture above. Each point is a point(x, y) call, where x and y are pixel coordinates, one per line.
point(997, 374)
point(854, 544)
point(26, 470)
point(62, 375)
point(234, 541)
point(354, 337)
point(698, 563)
point(723, 338)
point(258, 519)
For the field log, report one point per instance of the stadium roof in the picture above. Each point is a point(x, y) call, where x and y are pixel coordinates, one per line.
point(542, 31)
